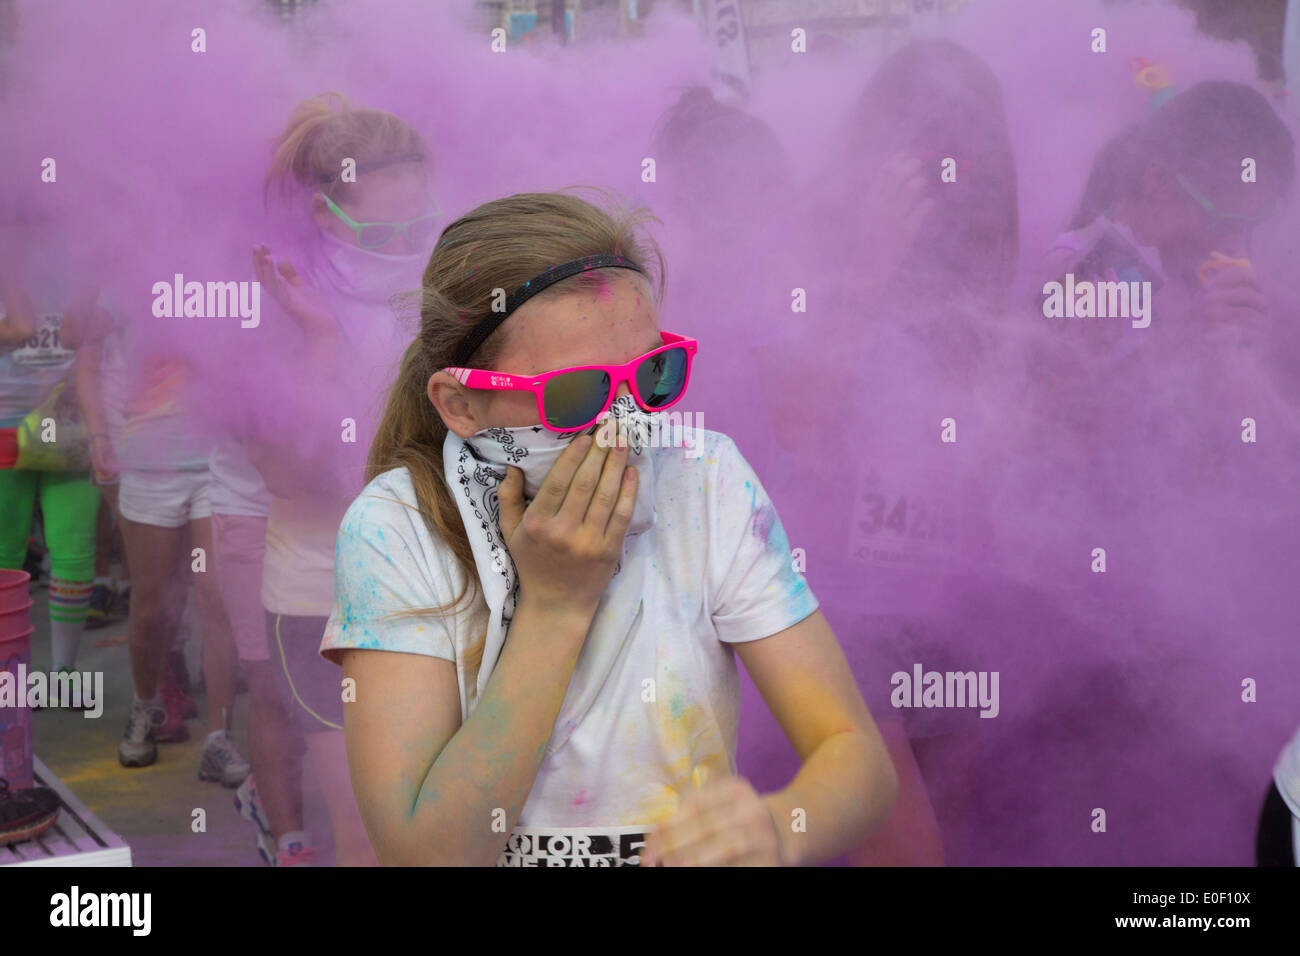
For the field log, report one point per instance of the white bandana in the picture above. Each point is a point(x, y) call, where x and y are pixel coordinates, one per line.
point(474, 469)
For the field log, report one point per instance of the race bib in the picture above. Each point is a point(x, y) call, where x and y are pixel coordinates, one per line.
point(895, 527)
point(43, 349)
point(574, 846)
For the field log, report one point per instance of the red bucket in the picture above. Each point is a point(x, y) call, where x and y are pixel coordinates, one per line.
point(15, 654)
point(14, 586)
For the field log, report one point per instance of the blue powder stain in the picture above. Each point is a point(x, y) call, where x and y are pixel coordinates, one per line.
point(677, 705)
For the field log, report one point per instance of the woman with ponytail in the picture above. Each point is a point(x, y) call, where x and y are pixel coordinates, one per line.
point(539, 602)
point(356, 182)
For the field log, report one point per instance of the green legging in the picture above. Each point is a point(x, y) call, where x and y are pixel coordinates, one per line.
point(69, 504)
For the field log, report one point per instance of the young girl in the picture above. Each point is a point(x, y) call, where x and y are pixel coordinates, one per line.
point(45, 328)
point(541, 621)
point(368, 236)
point(163, 500)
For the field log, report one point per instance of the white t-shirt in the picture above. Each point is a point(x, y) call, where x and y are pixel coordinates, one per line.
point(722, 574)
point(30, 371)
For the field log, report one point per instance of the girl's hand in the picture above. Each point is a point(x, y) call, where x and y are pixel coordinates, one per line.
point(567, 542)
point(1233, 305)
point(103, 459)
point(17, 317)
point(303, 303)
point(725, 823)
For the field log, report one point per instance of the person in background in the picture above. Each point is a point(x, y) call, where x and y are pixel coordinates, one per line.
point(1167, 201)
point(1277, 841)
point(163, 500)
point(365, 239)
point(48, 326)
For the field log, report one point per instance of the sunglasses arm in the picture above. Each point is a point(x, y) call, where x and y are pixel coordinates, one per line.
point(481, 378)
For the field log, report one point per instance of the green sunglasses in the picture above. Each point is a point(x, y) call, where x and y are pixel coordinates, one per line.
point(372, 235)
point(1204, 202)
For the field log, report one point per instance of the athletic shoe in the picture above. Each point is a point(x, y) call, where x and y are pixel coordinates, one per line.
point(26, 813)
point(297, 855)
point(101, 598)
point(172, 730)
point(138, 746)
point(178, 704)
point(220, 761)
point(249, 805)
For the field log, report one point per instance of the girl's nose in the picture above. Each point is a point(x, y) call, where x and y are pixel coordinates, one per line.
point(623, 390)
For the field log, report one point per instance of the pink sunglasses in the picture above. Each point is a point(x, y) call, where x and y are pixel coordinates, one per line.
point(571, 399)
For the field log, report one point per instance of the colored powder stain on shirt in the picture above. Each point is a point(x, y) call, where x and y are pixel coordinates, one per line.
point(658, 808)
point(581, 798)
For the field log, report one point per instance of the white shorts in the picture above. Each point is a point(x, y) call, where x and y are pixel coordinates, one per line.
point(164, 499)
point(237, 487)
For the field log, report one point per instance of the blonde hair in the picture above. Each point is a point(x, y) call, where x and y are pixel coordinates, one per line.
point(325, 130)
point(500, 245)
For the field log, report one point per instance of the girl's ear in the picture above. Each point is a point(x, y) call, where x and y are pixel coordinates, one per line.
point(454, 404)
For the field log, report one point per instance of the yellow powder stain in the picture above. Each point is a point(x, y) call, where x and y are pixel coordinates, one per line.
point(105, 768)
point(693, 751)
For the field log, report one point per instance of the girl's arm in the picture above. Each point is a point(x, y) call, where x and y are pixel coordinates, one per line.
point(431, 791)
point(845, 789)
point(86, 381)
point(910, 837)
point(847, 784)
point(19, 322)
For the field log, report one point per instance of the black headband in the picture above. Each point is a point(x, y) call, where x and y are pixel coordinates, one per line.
point(529, 289)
